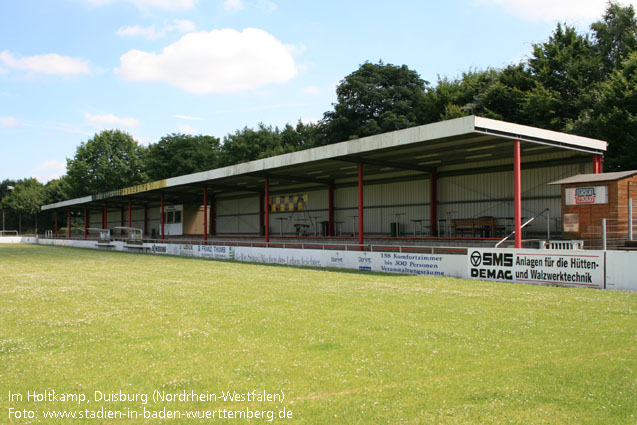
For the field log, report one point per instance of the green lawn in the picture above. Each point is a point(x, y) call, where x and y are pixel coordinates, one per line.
point(343, 347)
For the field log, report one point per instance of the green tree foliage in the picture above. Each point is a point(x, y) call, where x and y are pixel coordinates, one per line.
point(250, 144)
point(491, 94)
point(57, 190)
point(110, 160)
point(613, 116)
point(572, 82)
point(179, 154)
point(565, 67)
point(26, 197)
point(615, 35)
point(376, 98)
point(25, 200)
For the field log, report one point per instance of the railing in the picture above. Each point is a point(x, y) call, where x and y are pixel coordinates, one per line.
point(12, 232)
point(529, 221)
point(301, 245)
point(562, 245)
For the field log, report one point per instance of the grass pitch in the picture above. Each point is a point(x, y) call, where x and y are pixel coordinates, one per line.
point(343, 347)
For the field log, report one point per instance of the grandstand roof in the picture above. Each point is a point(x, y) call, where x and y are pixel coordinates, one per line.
point(468, 145)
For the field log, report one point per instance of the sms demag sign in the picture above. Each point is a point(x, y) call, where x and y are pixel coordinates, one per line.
point(491, 265)
point(538, 266)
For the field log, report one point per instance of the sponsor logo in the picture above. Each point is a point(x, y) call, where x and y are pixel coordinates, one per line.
point(491, 265)
point(156, 248)
point(476, 259)
point(585, 195)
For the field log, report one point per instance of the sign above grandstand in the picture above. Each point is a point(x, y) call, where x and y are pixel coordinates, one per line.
point(586, 195)
point(288, 202)
point(144, 187)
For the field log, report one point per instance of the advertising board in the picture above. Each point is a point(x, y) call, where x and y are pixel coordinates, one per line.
point(538, 266)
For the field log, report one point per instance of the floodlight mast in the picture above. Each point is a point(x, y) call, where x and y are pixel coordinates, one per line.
point(9, 189)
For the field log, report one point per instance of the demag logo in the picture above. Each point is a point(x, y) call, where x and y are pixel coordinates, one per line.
point(491, 265)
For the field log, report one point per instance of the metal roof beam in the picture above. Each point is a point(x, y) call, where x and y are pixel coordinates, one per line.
point(381, 163)
point(296, 178)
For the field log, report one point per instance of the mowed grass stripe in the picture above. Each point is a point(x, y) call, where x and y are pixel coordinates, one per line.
point(345, 347)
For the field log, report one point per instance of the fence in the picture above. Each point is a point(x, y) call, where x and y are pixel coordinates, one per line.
point(613, 232)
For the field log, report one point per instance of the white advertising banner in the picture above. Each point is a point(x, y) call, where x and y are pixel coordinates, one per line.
point(406, 263)
point(569, 268)
point(586, 195)
point(594, 269)
point(620, 270)
point(419, 264)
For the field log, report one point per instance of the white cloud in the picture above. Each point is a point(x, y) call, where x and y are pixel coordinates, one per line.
point(551, 10)
point(9, 122)
point(186, 129)
point(188, 117)
point(145, 141)
point(268, 5)
point(219, 61)
point(49, 170)
point(150, 33)
point(313, 90)
point(111, 121)
point(233, 5)
point(52, 64)
point(182, 25)
point(149, 4)
point(308, 121)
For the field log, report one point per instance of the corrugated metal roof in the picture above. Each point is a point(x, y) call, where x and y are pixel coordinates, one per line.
point(589, 178)
point(469, 143)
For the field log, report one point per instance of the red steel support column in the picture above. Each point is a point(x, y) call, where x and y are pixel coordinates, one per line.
point(261, 211)
point(267, 210)
point(597, 164)
point(213, 220)
point(130, 213)
point(161, 217)
point(205, 215)
point(517, 194)
point(68, 214)
point(56, 224)
point(433, 203)
point(121, 220)
point(330, 209)
point(361, 236)
point(85, 223)
point(145, 219)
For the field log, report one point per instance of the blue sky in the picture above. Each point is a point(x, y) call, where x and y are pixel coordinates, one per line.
point(70, 68)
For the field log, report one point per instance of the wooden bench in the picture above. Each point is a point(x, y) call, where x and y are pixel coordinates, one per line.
point(484, 227)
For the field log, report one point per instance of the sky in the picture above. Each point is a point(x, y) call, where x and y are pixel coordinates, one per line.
point(72, 68)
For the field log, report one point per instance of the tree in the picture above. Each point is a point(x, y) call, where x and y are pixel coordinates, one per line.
point(564, 69)
point(56, 190)
point(374, 99)
point(248, 144)
point(25, 199)
point(6, 186)
point(110, 160)
point(615, 35)
point(613, 117)
point(179, 154)
point(303, 136)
